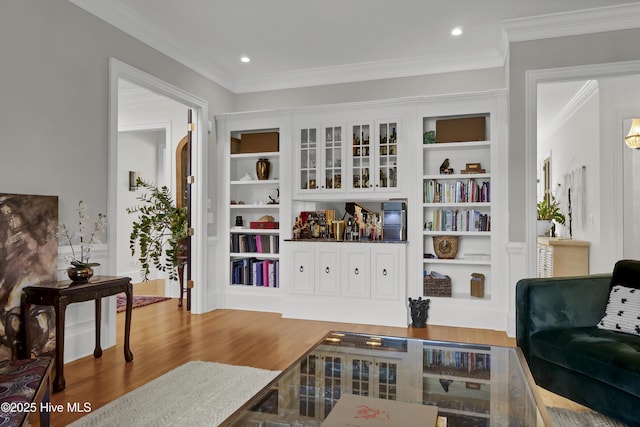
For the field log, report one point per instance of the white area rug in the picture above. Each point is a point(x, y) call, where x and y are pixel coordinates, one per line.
point(567, 418)
point(206, 393)
point(194, 394)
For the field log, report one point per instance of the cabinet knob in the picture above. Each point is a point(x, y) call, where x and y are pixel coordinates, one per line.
point(326, 270)
point(384, 271)
point(356, 271)
point(301, 269)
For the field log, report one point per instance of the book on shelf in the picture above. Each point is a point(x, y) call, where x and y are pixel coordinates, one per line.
point(255, 272)
point(468, 191)
point(461, 361)
point(255, 243)
point(460, 220)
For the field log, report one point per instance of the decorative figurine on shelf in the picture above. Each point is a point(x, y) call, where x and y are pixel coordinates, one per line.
point(276, 197)
point(419, 312)
point(445, 384)
point(445, 169)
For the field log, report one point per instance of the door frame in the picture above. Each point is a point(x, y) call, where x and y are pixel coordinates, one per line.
point(118, 70)
point(143, 127)
point(580, 72)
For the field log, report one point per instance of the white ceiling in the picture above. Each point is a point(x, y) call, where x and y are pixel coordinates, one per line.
point(295, 43)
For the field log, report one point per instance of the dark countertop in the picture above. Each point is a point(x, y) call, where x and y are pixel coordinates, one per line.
point(345, 241)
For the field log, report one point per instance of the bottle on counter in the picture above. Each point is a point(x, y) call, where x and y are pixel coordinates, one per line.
point(297, 228)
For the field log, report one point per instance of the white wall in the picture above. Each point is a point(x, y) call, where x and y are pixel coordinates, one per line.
point(573, 145)
point(151, 153)
point(54, 105)
point(137, 151)
point(54, 116)
point(631, 198)
point(621, 101)
point(542, 54)
point(432, 84)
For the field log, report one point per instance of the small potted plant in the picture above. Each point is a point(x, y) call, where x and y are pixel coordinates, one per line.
point(548, 211)
point(158, 231)
point(86, 236)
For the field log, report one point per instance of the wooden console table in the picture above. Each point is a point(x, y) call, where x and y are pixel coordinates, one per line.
point(558, 257)
point(59, 295)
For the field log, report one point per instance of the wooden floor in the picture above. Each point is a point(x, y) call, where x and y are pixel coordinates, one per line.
point(164, 337)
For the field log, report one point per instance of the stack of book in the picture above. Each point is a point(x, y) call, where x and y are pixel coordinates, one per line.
point(460, 220)
point(255, 272)
point(468, 191)
point(255, 243)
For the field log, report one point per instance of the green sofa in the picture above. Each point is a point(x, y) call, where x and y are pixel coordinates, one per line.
point(568, 354)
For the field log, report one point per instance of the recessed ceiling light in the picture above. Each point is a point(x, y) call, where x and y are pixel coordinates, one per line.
point(245, 59)
point(456, 31)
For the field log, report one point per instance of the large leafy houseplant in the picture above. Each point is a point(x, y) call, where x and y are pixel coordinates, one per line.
point(158, 230)
point(549, 210)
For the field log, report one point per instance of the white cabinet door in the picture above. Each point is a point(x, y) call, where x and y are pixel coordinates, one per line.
point(374, 157)
point(362, 157)
point(386, 281)
point(308, 158)
point(386, 172)
point(328, 270)
point(332, 160)
point(355, 272)
point(303, 271)
point(320, 160)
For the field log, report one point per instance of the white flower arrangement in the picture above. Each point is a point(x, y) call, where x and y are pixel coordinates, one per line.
point(86, 235)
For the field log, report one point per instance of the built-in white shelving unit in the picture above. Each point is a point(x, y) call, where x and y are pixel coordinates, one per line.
point(368, 152)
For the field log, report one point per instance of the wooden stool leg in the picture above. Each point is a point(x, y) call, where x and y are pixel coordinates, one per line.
point(181, 280)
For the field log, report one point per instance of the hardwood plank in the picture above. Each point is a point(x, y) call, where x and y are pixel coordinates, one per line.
point(164, 336)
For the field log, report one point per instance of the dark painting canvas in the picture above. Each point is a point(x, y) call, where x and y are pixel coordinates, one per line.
point(28, 255)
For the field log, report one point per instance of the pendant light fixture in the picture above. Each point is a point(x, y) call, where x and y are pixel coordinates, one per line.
point(633, 138)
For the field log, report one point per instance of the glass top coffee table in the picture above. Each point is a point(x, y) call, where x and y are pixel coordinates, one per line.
point(472, 385)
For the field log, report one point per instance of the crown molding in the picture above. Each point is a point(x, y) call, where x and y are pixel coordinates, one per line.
point(586, 92)
point(129, 21)
point(136, 25)
point(406, 67)
point(597, 20)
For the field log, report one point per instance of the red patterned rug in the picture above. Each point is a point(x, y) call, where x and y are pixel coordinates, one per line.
point(138, 301)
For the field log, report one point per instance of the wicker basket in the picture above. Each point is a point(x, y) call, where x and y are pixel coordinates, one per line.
point(437, 286)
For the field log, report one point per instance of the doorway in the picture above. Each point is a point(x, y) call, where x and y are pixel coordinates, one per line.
point(120, 72)
point(145, 150)
point(607, 214)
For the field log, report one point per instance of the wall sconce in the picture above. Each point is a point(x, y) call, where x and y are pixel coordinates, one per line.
point(133, 180)
point(633, 138)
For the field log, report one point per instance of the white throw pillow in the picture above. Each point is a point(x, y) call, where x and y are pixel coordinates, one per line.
point(623, 311)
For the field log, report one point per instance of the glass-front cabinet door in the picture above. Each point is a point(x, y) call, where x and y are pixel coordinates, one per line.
point(321, 159)
point(308, 152)
point(333, 153)
point(374, 156)
point(361, 161)
point(387, 169)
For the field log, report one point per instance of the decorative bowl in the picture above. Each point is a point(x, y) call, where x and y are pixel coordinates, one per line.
point(445, 247)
